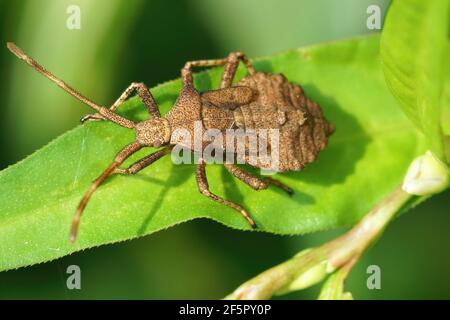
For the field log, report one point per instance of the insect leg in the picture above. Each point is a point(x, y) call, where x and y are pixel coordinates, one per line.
point(231, 63)
point(279, 184)
point(186, 72)
point(203, 187)
point(105, 112)
point(231, 67)
point(142, 92)
point(144, 162)
point(118, 160)
point(246, 177)
point(255, 182)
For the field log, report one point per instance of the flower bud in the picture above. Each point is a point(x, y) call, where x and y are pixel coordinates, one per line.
point(426, 175)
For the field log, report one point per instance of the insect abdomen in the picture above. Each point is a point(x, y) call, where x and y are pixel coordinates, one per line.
point(303, 131)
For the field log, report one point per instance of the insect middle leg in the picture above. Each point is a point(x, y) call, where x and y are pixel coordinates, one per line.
point(255, 182)
point(143, 93)
point(203, 187)
point(230, 68)
point(231, 63)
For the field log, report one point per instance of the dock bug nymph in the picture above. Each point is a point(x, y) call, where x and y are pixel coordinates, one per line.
point(258, 101)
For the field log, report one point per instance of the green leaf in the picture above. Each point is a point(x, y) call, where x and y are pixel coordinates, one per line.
point(366, 159)
point(414, 52)
point(445, 121)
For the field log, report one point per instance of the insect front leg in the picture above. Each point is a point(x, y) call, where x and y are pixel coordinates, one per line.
point(143, 93)
point(144, 162)
point(203, 187)
point(255, 182)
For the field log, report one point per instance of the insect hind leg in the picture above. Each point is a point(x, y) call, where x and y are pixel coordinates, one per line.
point(255, 182)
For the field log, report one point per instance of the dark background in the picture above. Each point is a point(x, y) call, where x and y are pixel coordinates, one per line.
point(124, 41)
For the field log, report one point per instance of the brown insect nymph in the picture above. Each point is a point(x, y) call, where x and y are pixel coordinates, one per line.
point(258, 101)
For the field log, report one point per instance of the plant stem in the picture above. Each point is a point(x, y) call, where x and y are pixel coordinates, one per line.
point(312, 265)
point(363, 234)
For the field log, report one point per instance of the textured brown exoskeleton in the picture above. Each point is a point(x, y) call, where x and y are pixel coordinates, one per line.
point(258, 101)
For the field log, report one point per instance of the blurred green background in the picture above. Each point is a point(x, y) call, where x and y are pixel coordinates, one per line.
point(124, 41)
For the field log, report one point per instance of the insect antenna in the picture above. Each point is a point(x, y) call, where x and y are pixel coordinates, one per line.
point(120, 158)
point(100, 109)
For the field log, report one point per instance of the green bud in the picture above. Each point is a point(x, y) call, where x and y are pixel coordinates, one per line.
point(426, 175)
point(307, 278)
